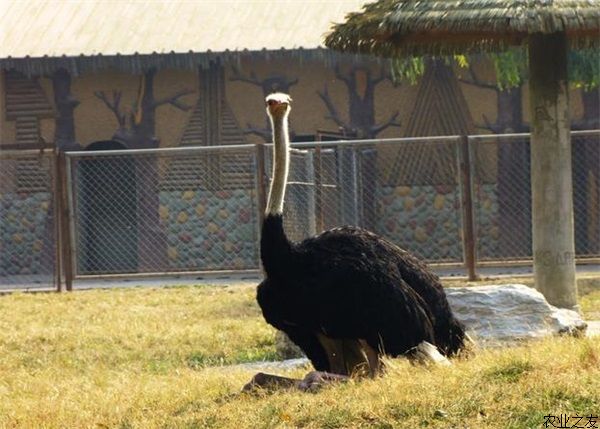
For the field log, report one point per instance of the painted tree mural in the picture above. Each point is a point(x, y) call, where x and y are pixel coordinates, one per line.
point(65, 102)
point(137, 130)
point(513, 181)
point(273, 83)
point(513, 155)
point(137, 124)
point(360, 84)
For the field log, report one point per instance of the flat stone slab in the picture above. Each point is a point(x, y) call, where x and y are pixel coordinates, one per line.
point(501, 314)
point(275, 365)
point(593, 328)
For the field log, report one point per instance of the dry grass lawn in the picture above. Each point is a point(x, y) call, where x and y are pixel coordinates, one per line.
point(156, 358)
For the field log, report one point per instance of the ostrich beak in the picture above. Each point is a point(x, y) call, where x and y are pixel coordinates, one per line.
point(276, 101)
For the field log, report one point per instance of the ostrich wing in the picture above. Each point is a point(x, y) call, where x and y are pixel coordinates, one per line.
point(352, 282)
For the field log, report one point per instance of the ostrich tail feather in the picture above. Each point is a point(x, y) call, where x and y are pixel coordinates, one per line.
point(275, 248)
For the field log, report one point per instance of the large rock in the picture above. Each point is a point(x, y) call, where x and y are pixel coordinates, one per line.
point(509, 313)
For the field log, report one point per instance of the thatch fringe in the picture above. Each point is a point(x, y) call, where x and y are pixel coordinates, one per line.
point(138, 63)
point(416, 27)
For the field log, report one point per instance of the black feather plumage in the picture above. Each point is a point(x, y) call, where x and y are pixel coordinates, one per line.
point(348, 283)
point(346, 294)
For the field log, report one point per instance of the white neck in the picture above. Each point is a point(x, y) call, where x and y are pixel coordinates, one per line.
point(281, 163)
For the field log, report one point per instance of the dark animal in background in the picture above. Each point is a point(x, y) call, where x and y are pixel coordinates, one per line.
point(346, 296)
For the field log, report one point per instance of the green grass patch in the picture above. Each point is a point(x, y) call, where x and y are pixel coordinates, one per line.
point(509, 371)
point(590, 305)
point(157, 358)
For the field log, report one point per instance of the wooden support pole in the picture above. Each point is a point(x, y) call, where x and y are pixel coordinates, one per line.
point(468, 236)
point(66, 253)
point(551, 170)
point(57, 213)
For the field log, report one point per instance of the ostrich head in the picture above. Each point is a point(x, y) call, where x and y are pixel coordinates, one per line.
point(278, 104)
point(278, 109)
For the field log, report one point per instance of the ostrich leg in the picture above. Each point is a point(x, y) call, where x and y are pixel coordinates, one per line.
point(346, 358)
point(314, 380)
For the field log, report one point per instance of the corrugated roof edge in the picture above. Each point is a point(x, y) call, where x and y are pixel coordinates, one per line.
point(137, 63)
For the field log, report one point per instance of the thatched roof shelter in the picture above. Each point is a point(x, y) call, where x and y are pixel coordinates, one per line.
point(547, 27)
point(400, 27)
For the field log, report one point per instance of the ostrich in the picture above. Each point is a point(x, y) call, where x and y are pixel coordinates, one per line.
point(345, 296)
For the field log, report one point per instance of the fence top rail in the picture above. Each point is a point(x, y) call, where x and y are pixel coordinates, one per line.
point(333, 143)
point(165, 150)
point(575, 133)
point(250, 146)
point(296, 145)
point(25, 153)
point(585, 132)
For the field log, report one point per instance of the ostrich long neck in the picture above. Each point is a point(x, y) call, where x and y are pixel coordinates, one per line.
point(281, 164)
point(275, 247)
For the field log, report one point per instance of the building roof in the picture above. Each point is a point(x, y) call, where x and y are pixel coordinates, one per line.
point(57, 28)
point(392, 27)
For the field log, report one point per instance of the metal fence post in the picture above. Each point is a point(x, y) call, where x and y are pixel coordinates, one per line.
point(63, 222)
point(56, 201)
point(468, 235)
point(319, 224)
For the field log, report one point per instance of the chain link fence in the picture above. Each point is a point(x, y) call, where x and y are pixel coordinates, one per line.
point(199, 209)
point(28, 233)
point(586, 193)
point(160, 211)
point(407, 191)
point(502, 196)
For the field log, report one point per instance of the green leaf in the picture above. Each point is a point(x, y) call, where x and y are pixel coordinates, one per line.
point(510, 67)
point(584, 68)
point(408, 69)
point(462, 61)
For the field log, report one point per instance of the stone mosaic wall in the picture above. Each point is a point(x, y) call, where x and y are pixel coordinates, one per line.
point(23, 231)
point(209, 230)
point(486, 220)
point(423, 219)
point(219, 230)
point(427, 220)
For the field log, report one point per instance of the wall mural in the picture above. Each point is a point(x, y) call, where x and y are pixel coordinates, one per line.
point(270, 84)
point(360, 85)
point(26, 104)
point(137, 130)
point(137, 124)
point(513, 185)
point(66, 103)
point(210, 214)
point(512, 189)
point(419, 192)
